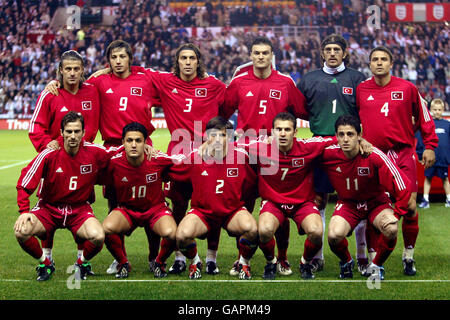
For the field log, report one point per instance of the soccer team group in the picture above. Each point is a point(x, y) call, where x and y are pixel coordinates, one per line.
point(363, 147)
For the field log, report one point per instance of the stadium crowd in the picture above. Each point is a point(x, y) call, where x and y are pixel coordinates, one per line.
point(155, 30)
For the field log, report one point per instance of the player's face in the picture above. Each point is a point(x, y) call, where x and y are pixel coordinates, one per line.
point(333, 55)
point(380, 63)
point(134, 143)
point(188, 63)
point(218, 141)
point(261, 56)
point(437, 110)
point(119, 61)
point(348, 139)
point(71, 71)
point(72, 134)
point(284, 134)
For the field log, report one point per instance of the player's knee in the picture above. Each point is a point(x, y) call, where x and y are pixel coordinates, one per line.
point(21, 237)
point(390, 231)
point(315, 235)
point(169, 232)
point(334, 237)
point(183, 236)
point(266, 232)
point(108, 227)
point(97, 236)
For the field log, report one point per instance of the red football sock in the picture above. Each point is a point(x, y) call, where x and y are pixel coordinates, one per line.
point(410, 230)
point(190, 251)
point(153, 243)
point(90, 250)
point(48, 242)
point(310, 249)
point(268, 249)
point(341, 250)
point(384, 249)
point(32, 247)
point(167, 247)
point(213, 238)
point(372, 236)
point(282, 238)
point(115, 245)
point(247, 248)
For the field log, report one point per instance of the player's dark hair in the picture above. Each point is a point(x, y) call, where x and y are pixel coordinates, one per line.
point(261, 40)
point(201, 68)
point(69, 55)
point(340, 41)
point(348, 120)
point(135, 126)
point(119, 44)
point(384, 49)
point(284, 116)
point(219, 123)
point(72, 116)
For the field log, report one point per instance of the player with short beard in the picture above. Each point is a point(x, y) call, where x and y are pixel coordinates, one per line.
point(391, 110)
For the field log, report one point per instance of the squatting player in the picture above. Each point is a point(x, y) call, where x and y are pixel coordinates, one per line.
point(69, 175)
point(137, 182)
point(361, 184)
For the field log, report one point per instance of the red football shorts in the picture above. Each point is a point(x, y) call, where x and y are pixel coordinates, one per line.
point(215, 221)
point(66, 216)
point(296, 212)
point(405, 159)
point(354, 212)
point(146, 218)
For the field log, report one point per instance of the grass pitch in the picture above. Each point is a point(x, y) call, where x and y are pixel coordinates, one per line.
point(17, 275)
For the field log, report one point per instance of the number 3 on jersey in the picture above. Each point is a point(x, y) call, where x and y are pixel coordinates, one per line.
point(188, 105)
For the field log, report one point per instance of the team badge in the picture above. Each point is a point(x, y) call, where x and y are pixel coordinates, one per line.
point(152, 177)
point(298, 162)
point(135, 91)
point(363, 171)
point(275, 94)
point(232, 172)
point(201, 92)
point(397, 95)
point(347, 90)
point(87, 168)
point(86, 105)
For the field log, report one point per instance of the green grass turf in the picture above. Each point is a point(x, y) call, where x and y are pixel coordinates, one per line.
point(17, 274)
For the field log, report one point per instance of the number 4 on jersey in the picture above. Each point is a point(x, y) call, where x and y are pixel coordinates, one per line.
point(385, 109)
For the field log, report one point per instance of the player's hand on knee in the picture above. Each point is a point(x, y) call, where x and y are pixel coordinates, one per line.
point(23, 221)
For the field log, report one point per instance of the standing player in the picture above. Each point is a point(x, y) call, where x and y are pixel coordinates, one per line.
point(189, 98)
point(258, 94)
point(288, 192)
point(387, 107)
point(361, 184)
point(126, 95)
point(69, 175)
point(220, 184)
point(331, 92)
point(440, 168)
point(137, 182)
point(75, 95)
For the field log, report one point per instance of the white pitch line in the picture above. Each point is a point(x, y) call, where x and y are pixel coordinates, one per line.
point(241, 281)
point(14, 164)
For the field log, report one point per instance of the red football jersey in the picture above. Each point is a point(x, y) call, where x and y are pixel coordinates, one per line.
point(66, 179)
point(185, 102)
point(287, 178)
point(124, 101)
point(220, 188)
point(138, 188)
point(360, 179)
point(387, 114)
point(45, 125)
point(258, 101)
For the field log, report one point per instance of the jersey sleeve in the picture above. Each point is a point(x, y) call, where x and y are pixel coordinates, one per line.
point(424, 121)
point(297, 101)
point(231, 100)
point(39, 131)
point(394, 181)
point(30, 178)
